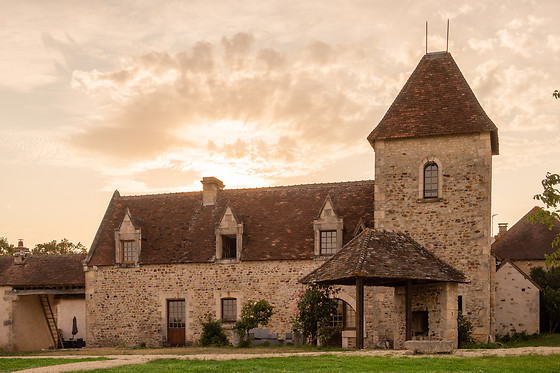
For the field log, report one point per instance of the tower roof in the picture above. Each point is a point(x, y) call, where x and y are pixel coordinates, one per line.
point(436, 100)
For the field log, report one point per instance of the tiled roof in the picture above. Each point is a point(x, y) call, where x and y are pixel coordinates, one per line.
point(436, 100)
point(383, 258)
point(43, 270)
point(277, 221)
point(526, 240)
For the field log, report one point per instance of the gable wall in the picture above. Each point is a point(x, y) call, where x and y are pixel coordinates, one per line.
point(456, 229)
point(517, 302)
point(129, 304)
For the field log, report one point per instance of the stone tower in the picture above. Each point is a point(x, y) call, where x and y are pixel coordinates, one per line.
point(433, 177)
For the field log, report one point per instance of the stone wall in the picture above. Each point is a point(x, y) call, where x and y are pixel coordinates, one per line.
point(439, 300)
point(456, 226)
point(5, 318)
point(517, 302)
point(129, 305)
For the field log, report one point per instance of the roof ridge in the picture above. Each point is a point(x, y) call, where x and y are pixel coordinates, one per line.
point(132, 196)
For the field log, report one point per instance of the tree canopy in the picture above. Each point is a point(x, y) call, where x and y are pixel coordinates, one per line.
point(5, 247)
point(551, 214)
point(62, 247)
point(51, 247)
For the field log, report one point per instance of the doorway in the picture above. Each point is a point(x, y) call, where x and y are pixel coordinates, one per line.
point(176, 322)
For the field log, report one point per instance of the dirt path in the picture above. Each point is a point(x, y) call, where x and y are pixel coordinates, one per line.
point(119, 360)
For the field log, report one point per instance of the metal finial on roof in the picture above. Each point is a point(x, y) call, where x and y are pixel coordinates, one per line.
point(447, 46)
point(426, 37)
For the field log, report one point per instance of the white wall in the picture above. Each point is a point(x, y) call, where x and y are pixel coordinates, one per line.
point(66, 310)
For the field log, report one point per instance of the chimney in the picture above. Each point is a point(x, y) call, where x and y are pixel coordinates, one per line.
point(210, 188)
point(502, 229)
point(21, 253)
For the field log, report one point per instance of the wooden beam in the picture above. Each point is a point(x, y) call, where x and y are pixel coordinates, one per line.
point(408, 311)
point(46, 291)
point(359, 312)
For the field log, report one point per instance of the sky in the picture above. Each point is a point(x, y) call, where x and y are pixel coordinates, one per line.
point(149, 97)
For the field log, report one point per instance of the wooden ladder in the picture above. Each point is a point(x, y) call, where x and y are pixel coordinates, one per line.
point(51, 322)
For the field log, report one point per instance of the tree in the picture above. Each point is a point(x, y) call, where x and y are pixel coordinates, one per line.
point(315, 309)
point(5, 247)
point(62, 247)
point(253, 314)
point(549, 281)
point(551, 198)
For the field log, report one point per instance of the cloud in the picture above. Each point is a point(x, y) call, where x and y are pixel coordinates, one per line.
point(234, 103)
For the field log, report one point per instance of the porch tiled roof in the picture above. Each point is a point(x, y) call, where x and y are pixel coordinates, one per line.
point(43, 270)
point(277, 221)
point(384, 258)
point(436, 100)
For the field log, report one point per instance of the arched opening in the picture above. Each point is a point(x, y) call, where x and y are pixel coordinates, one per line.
point(431, 177)
point(343, 319)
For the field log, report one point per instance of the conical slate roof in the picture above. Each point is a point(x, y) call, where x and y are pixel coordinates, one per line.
point(383, 258)
point(436, 100)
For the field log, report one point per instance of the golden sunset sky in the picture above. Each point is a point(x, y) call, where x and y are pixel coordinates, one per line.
point(150, 96)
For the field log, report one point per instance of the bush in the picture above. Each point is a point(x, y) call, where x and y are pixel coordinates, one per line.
point(314, 312)
point(213, 333)
point(464, 328)
point(253, 314)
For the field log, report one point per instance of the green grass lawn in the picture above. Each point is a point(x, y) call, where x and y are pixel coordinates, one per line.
point(334, 363)
point(14, 364)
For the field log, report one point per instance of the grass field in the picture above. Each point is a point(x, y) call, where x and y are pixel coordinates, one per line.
point(332, 363)
point(11, 365)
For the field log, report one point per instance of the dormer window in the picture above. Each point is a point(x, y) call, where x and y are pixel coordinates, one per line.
point(127, 241)
point(229, 247)
point(328, 230)
point(229, 236)
point(128, 251)
point(328, 242)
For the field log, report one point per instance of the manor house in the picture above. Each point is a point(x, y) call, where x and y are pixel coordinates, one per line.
point(159, 264)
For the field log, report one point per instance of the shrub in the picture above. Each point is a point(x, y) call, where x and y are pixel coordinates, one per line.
point(253, 314)
point(213, 333)
point(464, 328)
point(314, 312)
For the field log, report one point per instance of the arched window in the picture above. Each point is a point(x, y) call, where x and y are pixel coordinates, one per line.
point(345, 316)
point(431, 180)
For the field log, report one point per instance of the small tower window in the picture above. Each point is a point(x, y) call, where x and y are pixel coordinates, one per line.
point(431, 180)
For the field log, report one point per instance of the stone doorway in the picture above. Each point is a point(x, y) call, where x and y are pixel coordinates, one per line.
point(176, 322)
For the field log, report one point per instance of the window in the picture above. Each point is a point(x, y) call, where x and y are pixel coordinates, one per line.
point(229, 247)
point(460, 303)
point(431, 180)
point(229, 309)
point(127, 249)
point(328, 242)
point(344, 317)
point(176, 313)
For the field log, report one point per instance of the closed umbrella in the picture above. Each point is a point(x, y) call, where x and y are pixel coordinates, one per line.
point(74, 326)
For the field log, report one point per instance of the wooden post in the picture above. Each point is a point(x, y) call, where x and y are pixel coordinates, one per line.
point(359, 312)
point(408, 311)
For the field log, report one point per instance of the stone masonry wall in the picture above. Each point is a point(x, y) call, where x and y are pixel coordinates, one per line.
point(517, 302)
point(6, 318)
point(455, 227)
point(128, 305)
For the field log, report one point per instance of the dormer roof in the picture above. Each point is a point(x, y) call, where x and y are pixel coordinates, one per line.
point(436, 100)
